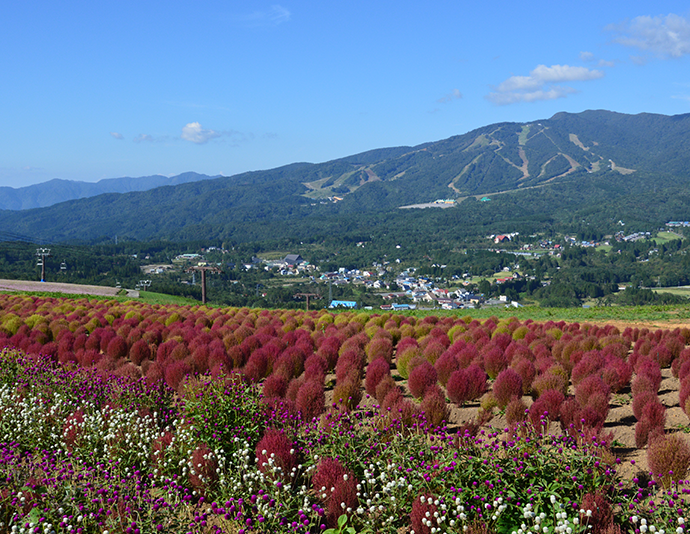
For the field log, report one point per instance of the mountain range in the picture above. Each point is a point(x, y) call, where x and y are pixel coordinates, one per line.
point(56, 191)
point(590, 167)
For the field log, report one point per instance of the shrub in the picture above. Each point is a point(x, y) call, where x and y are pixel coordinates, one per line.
point(515, 411)
point(404, 358)
point(588, 387)
point(335, 485)
point(669, 458)
point(257, 366)
point(379, 347)
point(329, 349)
point(433, 350)
point(445, 365)
point(202, 473)
point(494, 362)
point(384, 387)
point(310, 399)
point(421, 377)
point(392, 397)
point(376, 370)
point(662, 355)
point(616, 373)
point(651, 424)
point(458, 387)
point(175, 372)
point(549, 380)
point(422, 518)
point(348, 362)
point(640, 400)
point(467, 355)
point(275, 386)
point(590, 363)
point(315, 368)
point(647, 367)
point(508, 385)
point(434, 406)
point(347, 392)
point(525, 368)
point(477, 381)
point(277, 448)
point(600, 515)
point(139, 352)
point(642, 383)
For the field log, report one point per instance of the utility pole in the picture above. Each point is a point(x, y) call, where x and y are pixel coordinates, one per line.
point(42, 254)
point(203, 269)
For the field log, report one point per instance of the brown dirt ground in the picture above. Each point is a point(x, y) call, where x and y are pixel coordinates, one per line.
point(620, 421)
point(56, 287)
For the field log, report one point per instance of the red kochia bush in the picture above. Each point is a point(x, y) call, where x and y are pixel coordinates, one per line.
point(445, 365)
point(641, 400)
point(616, 373)
point(310, 399)
point(384, 387)
point(204, 465)
point(494, 362)
point(139, 351)
point(422, 517)
point(315, 367)
point(466, 384)
point(669, 457)
point(277, 445)
point(508, 384)
point(434, 406)
point(550, 401)
point(275, 386)
point(601, 514)
point(335, 485)
point(175, 372)
point(376, 370)
point(590, 386)
point(525, 368)
point(645, 366)
point(590, 364)
point(421, 377)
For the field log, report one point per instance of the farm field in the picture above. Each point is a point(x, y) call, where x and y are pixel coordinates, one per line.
point(124, 416)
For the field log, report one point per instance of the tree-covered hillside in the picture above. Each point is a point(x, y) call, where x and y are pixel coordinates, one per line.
point(590, 169)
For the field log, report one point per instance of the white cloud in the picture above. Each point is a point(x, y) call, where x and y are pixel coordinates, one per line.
point(586, 56)
point(196, 134)
point(273, 16)
point(143, 138)
point(455, 94)
point(665, 36)
point(117, 135)
point(541, 84)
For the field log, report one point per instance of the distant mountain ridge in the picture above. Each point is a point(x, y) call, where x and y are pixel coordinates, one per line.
point(583, 160)
point(55, 191)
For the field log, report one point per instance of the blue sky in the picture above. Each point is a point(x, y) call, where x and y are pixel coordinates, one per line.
point(93, 90)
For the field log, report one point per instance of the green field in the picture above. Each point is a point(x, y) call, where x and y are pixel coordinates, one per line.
point(665, 237)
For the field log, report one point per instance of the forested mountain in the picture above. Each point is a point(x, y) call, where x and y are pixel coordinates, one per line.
point(587, 170)
point(56, 191)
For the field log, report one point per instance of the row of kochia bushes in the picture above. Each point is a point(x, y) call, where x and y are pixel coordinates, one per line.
point(292, 353)
point(569, 370)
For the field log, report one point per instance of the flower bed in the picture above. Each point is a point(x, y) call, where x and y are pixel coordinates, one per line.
point(136, 418)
